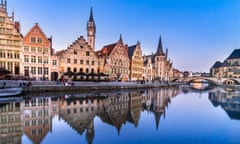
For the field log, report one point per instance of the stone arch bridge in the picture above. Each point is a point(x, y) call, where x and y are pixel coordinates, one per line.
point(212, 80)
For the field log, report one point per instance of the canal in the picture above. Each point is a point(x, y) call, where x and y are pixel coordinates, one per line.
point(163, 115)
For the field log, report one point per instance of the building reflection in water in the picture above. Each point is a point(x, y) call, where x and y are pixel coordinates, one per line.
point(229, 101)
point(156, 101)
point(33, 117)
point(11, 122)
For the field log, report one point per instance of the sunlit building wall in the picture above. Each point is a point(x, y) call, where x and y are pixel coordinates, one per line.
point(136, 62)
point(37, 54)
point(10, 41)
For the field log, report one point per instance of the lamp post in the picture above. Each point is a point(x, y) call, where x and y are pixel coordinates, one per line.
point(43, 66)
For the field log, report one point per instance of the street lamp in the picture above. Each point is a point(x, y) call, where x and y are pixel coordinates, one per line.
point(43, 66)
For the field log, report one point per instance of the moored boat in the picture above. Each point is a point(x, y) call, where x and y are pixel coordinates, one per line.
point(5, 92)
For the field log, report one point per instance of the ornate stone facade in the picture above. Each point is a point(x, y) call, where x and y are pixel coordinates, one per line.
point(161, 67)
point(36, 53)
point(116, 60)
point(136, 62)
point(79, 58)
point(147, 68)
point(10, 41)
point(79, 61)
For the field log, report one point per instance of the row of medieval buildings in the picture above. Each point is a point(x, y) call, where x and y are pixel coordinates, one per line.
point(33, 56)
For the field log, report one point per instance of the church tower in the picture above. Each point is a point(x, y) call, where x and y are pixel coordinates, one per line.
point(91, 31)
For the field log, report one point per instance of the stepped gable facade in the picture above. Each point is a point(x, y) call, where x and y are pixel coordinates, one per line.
point(116, 60)
point(136, 62)
point(78, 61)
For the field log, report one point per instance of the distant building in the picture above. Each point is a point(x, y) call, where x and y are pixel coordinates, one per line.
point(161, 67)
point(116, 60)
point(36, 53)
point(177, 74)
point(229, 68)
point(136, 62)
point(10, 41)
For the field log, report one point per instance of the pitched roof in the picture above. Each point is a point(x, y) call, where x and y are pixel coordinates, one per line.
point(106, 50)
point(148, 57)
point(36, 26)
point(235, 54)
point(59, 52)
point(217, 64)
point(131, 50)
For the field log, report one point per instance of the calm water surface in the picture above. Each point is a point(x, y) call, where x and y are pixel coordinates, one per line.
point(166, 115)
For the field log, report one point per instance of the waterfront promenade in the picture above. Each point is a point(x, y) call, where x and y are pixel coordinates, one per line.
point(51, 86)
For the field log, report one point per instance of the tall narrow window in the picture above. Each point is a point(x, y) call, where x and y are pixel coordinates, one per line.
point(33, 39)
point(75, 61)
point(87, 53)
point(40, 40)
point(68, 60)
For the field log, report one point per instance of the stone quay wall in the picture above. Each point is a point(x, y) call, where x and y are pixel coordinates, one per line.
point(53, 86)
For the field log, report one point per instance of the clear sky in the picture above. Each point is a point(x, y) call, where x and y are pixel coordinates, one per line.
point(196, 32)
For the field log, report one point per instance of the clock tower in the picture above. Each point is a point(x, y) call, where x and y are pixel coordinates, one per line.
point(91, 31)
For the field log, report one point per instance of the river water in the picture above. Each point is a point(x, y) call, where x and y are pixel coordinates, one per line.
point(153, 116)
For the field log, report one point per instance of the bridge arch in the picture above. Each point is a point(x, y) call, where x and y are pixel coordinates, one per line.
point(231, 81)
point(209, 80)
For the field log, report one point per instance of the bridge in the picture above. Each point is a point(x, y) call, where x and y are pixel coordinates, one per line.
point(212, 80)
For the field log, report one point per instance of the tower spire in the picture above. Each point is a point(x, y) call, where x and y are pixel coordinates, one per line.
point(6, 5)
point(120, 38)
point(91, 16)
point(160, 48)
point(12, 15)
point(166, 53)
point(91, 29)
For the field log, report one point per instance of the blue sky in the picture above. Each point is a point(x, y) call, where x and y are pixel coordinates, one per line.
point(196, 32)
